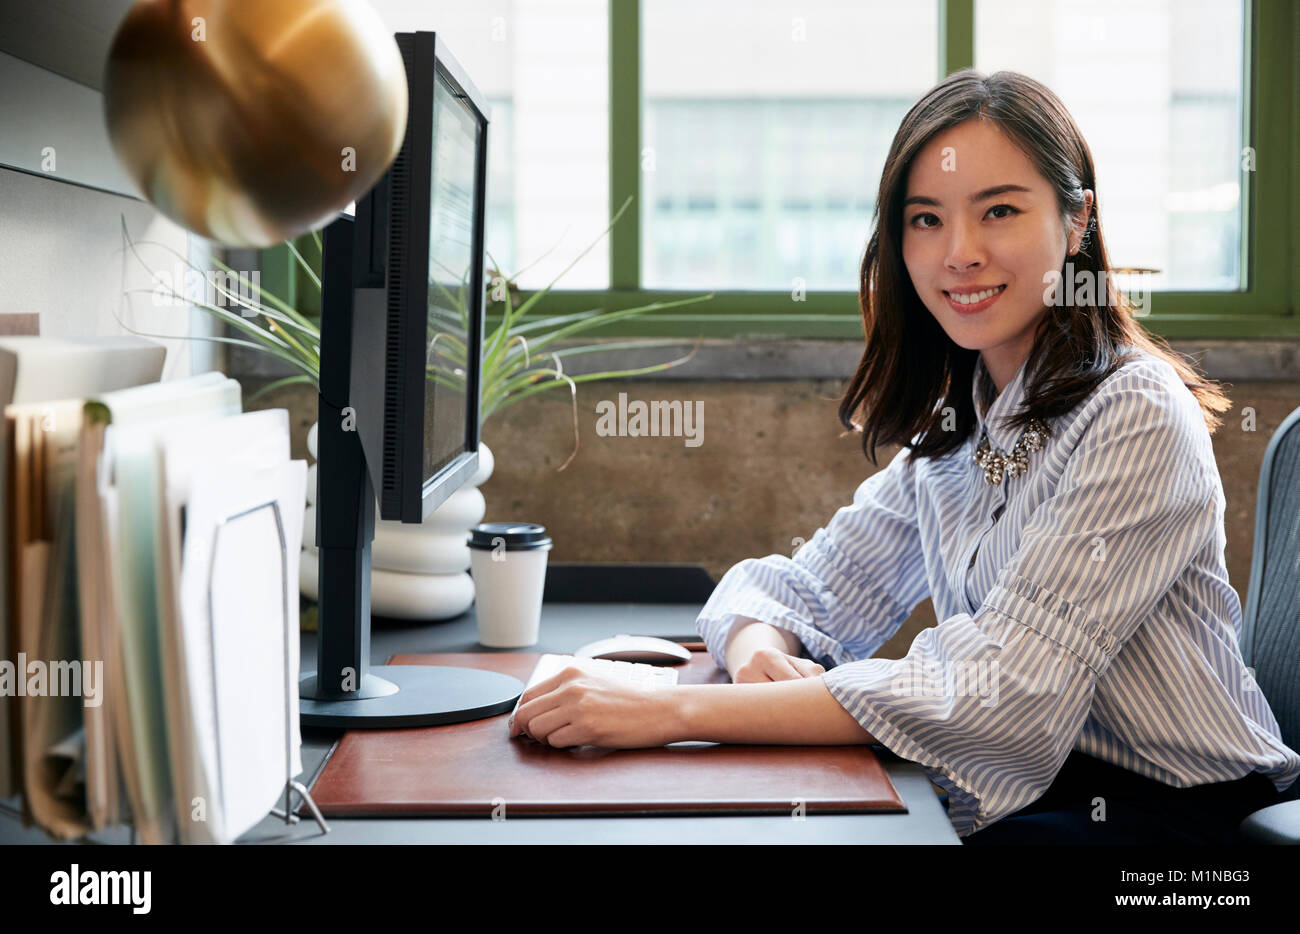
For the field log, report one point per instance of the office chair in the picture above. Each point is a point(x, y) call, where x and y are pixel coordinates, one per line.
point(1270, 629)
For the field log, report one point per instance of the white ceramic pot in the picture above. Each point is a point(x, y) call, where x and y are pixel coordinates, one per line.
point(416, 571)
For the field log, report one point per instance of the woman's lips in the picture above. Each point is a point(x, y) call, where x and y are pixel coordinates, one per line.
point(974, 307)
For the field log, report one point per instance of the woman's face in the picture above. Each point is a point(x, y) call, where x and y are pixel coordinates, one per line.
point(978, 217)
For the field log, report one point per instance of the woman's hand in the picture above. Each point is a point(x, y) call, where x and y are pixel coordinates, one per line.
point(769, 664)
point(575, 708)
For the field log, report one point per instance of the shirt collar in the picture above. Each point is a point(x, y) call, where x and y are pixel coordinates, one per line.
point(1006, 404)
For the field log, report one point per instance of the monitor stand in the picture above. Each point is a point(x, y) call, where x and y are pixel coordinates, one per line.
point(351, 694)
point(412, 695)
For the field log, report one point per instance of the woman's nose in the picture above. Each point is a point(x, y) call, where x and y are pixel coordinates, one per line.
point(964, 247)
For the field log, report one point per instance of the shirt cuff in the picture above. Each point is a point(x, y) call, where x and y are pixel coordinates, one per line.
point(848, 684)
point(716, 629)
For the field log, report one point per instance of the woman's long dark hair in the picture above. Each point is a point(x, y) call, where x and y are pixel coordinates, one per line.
point(910, 365)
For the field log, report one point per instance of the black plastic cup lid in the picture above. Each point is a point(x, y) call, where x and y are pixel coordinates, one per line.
point(518, 536)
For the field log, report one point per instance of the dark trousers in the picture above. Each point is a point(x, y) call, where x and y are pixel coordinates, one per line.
point(1138, 810)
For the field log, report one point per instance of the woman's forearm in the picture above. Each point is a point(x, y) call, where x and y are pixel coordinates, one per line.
point(799, 712)
point(749, 635)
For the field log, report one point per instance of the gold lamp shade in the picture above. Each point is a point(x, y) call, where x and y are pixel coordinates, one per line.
point(252, 122)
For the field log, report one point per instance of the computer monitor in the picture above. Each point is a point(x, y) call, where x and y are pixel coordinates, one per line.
point(399, 407)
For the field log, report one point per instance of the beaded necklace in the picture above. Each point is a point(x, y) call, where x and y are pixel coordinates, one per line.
point(1014, 463)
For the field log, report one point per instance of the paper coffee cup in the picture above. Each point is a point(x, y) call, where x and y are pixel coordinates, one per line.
point(508, 564)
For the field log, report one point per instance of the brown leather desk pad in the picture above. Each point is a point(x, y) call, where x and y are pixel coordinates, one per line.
point(468, 769)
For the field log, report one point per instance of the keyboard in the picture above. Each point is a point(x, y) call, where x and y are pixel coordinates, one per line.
point(634, 672)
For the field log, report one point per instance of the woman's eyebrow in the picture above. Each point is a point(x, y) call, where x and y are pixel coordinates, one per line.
point(978, 196)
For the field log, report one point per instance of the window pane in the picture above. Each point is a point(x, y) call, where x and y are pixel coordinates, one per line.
point(765, 128)
point(543, 66)
point(1155, 86)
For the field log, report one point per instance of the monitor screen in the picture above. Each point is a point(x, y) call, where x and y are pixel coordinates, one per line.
point(419, 292)
point(454, 179)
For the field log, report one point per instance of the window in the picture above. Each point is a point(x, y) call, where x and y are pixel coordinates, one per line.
point(765, 126)
point(1156, 89)
point(750, 136)
point(543, 66)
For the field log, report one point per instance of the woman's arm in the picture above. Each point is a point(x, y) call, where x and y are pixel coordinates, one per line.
point(749, 635)
point(844, 592)
point(800, 712)
point(572, 708)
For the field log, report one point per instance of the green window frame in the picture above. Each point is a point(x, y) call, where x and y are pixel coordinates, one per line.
point(1264, 307)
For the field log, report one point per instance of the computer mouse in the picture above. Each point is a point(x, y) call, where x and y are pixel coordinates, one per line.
point(645, 649)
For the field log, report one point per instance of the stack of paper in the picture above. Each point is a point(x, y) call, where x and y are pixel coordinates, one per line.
point(128, 620)
point(155, 538)
point(41, 373)
point(51, 677)
point(234, 501)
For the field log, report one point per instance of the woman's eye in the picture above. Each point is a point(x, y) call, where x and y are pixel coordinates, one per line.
point(918, 217)
point(998, 207)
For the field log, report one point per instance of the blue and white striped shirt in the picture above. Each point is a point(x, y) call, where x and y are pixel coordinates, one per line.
point(1083, 605)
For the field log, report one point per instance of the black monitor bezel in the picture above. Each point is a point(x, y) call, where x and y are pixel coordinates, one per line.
point(404, 493)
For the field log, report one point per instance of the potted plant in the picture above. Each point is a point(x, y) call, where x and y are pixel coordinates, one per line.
point(522, 357)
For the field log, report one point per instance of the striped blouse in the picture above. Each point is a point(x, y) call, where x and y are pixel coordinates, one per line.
point(1084, 605)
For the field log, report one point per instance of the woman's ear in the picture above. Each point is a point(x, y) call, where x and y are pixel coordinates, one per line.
point(1079, 223)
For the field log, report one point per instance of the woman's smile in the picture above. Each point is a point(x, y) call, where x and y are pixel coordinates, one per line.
point(971, 301)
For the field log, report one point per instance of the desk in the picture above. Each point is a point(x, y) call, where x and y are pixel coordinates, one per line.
point(564, 627)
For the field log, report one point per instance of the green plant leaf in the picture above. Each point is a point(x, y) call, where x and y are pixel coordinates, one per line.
point(303, 263)
point(296, 316)
point(287, 381)
point(235, 300)
point(499, 404)
point(278, 338)
point(500, 401)
point(262, 335)
point(288, 358)
point(536, 296)
point(456, 385)
point(506, 372)
point(492, 349)
point(557, 320)
point(238, 300)
point(606, 317)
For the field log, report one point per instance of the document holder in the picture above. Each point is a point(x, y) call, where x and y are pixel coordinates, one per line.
point(287, 813)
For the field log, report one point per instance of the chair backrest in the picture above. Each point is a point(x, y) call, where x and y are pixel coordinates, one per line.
point(1270, 627)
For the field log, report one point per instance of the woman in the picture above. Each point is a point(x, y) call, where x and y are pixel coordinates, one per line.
point(1056, 496)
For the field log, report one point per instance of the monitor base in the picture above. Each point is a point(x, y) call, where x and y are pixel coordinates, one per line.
point(422, 695)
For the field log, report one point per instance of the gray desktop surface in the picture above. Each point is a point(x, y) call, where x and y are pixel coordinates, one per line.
point(564, 627)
